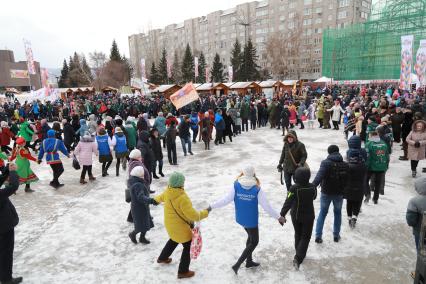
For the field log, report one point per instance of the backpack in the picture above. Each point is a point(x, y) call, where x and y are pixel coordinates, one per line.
point(338, 172)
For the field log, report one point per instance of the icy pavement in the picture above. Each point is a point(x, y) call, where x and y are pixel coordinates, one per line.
point(78, 234)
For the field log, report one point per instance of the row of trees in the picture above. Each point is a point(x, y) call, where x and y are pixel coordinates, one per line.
point(243, 60)
point(114, 71)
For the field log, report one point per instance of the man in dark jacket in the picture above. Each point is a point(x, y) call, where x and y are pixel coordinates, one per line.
point(331, 175)
point(185, 135)
point(8, 220)
point(293, 155)
point(300, 199)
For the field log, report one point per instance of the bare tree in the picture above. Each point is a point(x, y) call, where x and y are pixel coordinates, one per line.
point(98, 61)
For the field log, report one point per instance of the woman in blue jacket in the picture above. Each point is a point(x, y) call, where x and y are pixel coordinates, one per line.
point(120, 147)
point(104, 147)
point(247, 195)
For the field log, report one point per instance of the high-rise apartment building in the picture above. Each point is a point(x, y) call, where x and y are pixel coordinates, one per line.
point(261, 21)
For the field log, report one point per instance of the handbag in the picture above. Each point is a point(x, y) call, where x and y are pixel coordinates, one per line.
point(127, 195)
point(197, 242)
point(191, 225)
point(305, 165)
point(75, 163)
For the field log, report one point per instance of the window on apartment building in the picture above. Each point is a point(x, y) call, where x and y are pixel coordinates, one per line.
point(365, 4)
point(292, 5)
point(317, 40)
point(291, 25)
point(242, 34)
point(317, 51)
point(307, 22)
point(223, 29)
point(316, 70)
point(233, 35)
point(307, 2)
point(330, 6)
point(318, 21)
point(307, 32)
point(271, 29)
point(260, 39)
point(261, 13)
point(307, 11)
point(343, 3)
point(330, 17)
point(318, 10)
point(281, 27)
point(291, 15)
point(364, 15)
point(282, 8)
point(282, 18)
point(342, 15)
point(317, 61)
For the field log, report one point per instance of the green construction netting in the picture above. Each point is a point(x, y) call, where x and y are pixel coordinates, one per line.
point(372, 50)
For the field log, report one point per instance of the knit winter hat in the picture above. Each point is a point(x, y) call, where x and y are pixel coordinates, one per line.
point(51, 133)
point(135, 154)
point(118, 130)
point(248, 171)
point(333, 149)
point(137, 171)
point(102, 131)
point(3, 124)
point(20, 141)
point(176, 180)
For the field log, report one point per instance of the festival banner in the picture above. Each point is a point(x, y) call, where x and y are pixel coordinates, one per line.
point(143, 73)
point(169, 67)
point(45, 80)
point(19, 74)
point(406, 62)
point(184, 96)
point(230, 74)
point(420, 66)
point(30, 58)
point(196, 67)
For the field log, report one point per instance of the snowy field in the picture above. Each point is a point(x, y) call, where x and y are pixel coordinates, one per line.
point(78, 234)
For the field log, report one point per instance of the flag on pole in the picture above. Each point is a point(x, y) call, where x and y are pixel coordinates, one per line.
point(184, 96)
point(230, 73)
point(143, 73)
point(420, 66)
point(30, 58)
point(196, 66)
point(406, 62)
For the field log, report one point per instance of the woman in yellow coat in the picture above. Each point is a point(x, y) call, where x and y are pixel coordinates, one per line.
point(178, 217)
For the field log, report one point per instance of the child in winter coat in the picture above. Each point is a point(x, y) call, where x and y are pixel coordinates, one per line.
point(84, 150)
point(158, 153)
point(300, 199)
point(119, 143)
point(104, 146)
point(238, 122)
point(83, 128)
point(140, 200)
point(23, 157)
point(179, 214)
point(5, 136)
point(247, 195)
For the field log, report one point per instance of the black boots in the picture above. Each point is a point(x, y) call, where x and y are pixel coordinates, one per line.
point(28, 188)
point(250, 263)
point(142, 239)
point(161, 170)
point(132, 236)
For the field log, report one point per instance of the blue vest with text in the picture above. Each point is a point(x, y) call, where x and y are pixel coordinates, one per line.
point(120, 146)
point(103, 145)
point(246, 206)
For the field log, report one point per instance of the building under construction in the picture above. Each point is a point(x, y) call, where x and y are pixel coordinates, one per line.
point(372, 50)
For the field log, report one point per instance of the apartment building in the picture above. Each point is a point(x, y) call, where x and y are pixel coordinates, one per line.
point(261, 21)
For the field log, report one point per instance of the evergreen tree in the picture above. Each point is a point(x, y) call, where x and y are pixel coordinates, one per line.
point(128, 67)
point(236, 61)
point(249, 67)
point(63, 80)
point(153, 75)
point(202, 68)
point(86, 69)
point(115, 53)
point(162, 68)
point(188, 66)
point(176, 70)
point(217, 70)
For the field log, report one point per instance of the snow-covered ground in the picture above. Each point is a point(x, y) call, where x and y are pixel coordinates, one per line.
point(78, 234)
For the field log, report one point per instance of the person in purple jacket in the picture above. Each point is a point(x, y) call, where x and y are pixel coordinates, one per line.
point(247, 195)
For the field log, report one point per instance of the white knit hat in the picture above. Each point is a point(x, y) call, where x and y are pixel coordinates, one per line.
point(248, 171)
point(137, 171)
point(135, 154)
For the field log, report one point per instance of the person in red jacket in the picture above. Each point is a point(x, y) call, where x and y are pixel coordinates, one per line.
point(171, 118)
point(5, 137)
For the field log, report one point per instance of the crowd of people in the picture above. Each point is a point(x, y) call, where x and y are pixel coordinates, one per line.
point(134, 132)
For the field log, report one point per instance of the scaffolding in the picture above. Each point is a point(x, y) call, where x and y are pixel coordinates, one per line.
point(372, 50)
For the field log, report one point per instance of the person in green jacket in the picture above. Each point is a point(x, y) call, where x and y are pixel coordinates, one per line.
point(244, 113)
point(371, 126)
point(130, 135)
point(26, 132)
point(377, 163)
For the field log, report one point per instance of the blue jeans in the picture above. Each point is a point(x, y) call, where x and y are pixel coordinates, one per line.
point(184, 141)
point(325, 201)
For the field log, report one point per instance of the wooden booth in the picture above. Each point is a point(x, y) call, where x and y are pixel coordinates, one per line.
point(217, 89)
point(166, 90)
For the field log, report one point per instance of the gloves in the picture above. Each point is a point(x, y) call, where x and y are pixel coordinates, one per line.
point(280, 168)
point(209, 209)
point(153, 202)
point(282, 220)
point(417, 144)
point(39, 162)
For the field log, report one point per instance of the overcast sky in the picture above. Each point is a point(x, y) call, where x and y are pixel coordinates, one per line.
point(58, 28)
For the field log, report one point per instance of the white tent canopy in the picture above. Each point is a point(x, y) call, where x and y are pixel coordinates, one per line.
point(323, 80)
